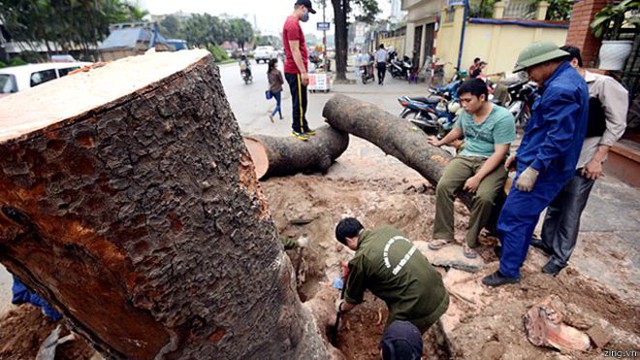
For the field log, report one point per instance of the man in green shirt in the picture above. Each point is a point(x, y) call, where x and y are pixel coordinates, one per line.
point(390, 266)
point(488, 131)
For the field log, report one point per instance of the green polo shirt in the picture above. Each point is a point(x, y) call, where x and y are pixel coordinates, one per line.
point(480, 139)
point(393, 269)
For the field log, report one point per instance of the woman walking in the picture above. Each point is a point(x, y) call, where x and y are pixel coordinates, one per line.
point(275, 86)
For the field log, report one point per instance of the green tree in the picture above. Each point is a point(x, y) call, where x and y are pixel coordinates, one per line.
point(368, 9)
point(65, 23)
point(241, 31)
point(170, 27)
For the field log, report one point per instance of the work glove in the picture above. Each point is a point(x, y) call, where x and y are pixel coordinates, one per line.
point(527, 179)
point(303, 241)
point(338, 305)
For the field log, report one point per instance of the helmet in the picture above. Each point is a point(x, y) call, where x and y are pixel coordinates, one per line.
point(453, 107)
point(538, 53)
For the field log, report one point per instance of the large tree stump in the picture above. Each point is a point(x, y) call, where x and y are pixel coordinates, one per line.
point(273, 156)
point(130, 203)
point(395, 136)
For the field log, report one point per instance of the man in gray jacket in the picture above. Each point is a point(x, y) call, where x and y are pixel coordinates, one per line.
point(608, 105)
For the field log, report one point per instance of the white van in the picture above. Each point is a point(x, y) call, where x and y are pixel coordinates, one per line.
point(20, 78)
point(264, 53)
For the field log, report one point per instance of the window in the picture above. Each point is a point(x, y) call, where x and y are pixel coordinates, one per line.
point(65, 71)
point(7, 84)
point(43, 76)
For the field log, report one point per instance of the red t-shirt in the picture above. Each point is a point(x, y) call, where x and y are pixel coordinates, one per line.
point(291, 32)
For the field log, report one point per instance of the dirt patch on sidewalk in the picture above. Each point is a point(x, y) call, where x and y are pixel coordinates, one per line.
point(481, 323)
point(488, 327)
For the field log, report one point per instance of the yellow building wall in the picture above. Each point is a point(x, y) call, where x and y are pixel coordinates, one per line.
point(498, 45)
point(445, 40)
point(397, 43)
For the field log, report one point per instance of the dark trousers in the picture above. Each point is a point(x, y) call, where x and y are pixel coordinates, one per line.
point(299, 102)
point(519, 217)
point(382, 69)
point(562, 221)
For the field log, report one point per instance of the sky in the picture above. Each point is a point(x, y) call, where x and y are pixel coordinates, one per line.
point(268, 15)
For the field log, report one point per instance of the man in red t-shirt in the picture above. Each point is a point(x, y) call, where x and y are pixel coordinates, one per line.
point(296, 65)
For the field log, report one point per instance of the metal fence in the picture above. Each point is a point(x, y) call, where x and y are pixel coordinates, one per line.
point(519, 10)
point(448, 17)
point(631, 73)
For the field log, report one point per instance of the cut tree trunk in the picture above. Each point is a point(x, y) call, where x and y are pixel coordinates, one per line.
point(395, 136)
point(274, 156)
point(130, 203)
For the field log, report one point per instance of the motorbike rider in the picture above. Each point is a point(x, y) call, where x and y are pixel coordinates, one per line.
point(245, 66)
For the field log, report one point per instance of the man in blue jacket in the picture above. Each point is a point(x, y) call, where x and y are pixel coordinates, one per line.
point(548, 154)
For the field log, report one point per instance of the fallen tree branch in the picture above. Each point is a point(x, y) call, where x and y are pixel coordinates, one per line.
point(395, 136)
point(273, 156)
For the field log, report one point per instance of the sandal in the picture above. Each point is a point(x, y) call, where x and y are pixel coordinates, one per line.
point(469, 252)
point(437, 244)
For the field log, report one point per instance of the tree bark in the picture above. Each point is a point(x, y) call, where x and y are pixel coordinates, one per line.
point(130, 203)
point(395, 136)
point(340, 19)
point(273, 156)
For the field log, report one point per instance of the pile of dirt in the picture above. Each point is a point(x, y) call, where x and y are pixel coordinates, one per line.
point(24, 328)
point(481, 323)
point(313, 205)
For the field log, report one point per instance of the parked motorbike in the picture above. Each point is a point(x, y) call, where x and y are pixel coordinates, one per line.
point(449, 91)
point(434, 114)
point(366, 73)
point(400, 68)
point(522, 96)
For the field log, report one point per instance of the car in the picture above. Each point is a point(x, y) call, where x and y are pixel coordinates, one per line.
point(20, 78)
point(265, 53)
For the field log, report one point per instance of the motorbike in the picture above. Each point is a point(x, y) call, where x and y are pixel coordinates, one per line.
point(449, 91)
point(434, 114)
point(246, 76)
point(522, 96)
point(366, 73)
point(400, 68)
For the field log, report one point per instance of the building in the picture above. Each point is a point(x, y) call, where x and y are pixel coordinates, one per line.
point(129, 39)
point(396, 11)
point(421, 29)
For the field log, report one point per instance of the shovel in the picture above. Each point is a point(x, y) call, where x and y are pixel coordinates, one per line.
point(333, 332)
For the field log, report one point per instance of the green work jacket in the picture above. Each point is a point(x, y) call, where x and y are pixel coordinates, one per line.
point(393, 269)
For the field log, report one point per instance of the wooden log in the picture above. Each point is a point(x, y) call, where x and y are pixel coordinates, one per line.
point(130, 203)
point(395, 136)
point(274, 156)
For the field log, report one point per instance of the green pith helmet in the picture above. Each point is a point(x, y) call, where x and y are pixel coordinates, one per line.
point(537, 53)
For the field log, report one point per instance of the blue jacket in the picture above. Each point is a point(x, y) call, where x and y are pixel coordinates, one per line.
point(555, 132)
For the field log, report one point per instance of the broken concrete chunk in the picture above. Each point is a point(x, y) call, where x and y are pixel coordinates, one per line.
point(544, 327)
point(599, 336)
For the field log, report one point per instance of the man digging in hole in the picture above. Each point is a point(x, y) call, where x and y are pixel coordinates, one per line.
point(488, 130)
point(390, 266)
